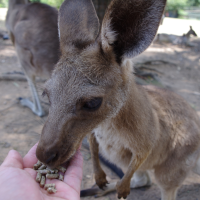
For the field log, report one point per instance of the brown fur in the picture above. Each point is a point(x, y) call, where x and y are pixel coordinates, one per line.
point(34, 29)
point(34, 32)
point(137, 128)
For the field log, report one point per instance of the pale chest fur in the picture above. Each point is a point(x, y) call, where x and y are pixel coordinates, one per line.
point(118, 146)
point(111, 145)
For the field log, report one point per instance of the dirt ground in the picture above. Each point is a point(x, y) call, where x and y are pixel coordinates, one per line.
point(178, 69)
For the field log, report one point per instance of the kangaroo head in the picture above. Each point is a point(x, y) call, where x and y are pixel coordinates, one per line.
point(91, 81)
point(192, 32)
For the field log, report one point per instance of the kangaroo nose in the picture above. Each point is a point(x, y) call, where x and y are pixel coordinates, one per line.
point(52, 157)
point(48, 157)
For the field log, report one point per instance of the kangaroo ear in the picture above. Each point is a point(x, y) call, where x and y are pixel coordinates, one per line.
point(78, 24)
point(129, 26)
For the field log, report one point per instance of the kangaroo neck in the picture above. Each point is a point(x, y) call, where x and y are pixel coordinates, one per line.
point(136, 110)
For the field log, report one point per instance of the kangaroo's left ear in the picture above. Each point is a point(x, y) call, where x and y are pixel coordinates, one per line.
point(129, 26)
point(78, 24)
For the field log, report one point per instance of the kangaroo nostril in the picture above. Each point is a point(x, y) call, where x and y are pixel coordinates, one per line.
point(51, 157)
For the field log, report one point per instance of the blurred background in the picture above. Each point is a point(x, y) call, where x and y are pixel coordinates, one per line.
point(184, 9)
point(172, 61)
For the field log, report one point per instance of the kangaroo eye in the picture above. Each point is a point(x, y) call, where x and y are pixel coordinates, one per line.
point(44, 93)
point(93, 104)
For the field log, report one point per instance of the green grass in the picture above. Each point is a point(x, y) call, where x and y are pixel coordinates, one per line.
point(3, 3)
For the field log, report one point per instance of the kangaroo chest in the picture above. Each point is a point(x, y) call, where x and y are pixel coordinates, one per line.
point(112, 145)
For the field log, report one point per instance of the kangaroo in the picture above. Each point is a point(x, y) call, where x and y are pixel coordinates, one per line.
point(34, 33)
point(92, 92)
point(175, 39)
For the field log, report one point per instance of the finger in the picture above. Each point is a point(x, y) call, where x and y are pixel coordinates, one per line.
point(73, 175)
point(13, 159)
point(30, 158)
point(32, 172)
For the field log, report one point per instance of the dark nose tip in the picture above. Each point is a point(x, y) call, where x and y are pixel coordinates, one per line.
point(51, 157)
point(48, 156)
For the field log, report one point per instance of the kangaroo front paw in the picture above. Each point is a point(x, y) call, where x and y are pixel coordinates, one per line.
point(101, 179)
point(123, 190)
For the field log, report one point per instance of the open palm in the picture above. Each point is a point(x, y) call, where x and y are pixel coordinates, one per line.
point(17, 179)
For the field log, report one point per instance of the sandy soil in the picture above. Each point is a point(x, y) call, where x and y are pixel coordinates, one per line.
point(20, 128)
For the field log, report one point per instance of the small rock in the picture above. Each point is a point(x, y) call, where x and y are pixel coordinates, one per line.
point(6, 145)
point(88, 176)
point(87, 156)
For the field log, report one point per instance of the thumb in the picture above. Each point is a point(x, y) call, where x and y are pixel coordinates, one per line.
point(13, 159)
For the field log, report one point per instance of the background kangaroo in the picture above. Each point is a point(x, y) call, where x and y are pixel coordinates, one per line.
point(92, 91)
point(34, 32)
point(175, 39)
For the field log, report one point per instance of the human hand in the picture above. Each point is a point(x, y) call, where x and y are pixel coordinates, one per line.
point(17, 179)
